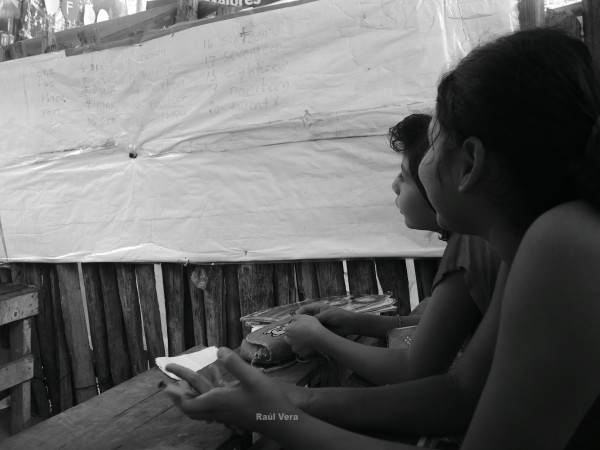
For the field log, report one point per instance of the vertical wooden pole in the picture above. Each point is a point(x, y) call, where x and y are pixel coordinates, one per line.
point(232, 306)
point(197, 300)
point(361, 277)
point(211, 284)
point(118, 350)
point(330, 276)
point(20, 346)
point(531, 14)
point(255, 282)
point(393, 278)
point(130, 306)
point(173, 287)
point(95, 305)
point(591, 27)
point(308, 284)
point(42, 351)
point(284, 284)
point(76, 332)
point(425, 270)
point(63, 363)
point(150, 312)
point(5, 277)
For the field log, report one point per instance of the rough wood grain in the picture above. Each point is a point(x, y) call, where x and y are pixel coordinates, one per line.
point(531, 13)
point(5, 277)
point(393, 278)
point(425, 270)
point(330, 276)
point(20, 394)
point(17, 302)
point(118, 350)
point(76, 332)
point(591, 27)
point(95, 305)
point(173, 287)
point(284, 283)
point(132, 315)
point(45, 383)
point(232, 306)
point(211, 283)
point(255, 285)
point(63, 363)
point(150, 312)
point(197, 302)
point(307, 282)
point(361, 277)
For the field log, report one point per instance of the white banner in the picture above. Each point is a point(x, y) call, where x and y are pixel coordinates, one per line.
point(257, 138)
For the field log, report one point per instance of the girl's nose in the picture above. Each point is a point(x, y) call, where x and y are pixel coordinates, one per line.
point(396, 185)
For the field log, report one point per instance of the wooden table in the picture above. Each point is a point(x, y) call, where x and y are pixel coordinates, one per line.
point(137, 415)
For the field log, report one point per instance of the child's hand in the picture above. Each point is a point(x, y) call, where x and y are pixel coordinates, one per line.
point(236, 404)
point(312, 309)
point(337, 320)
point(303, 334)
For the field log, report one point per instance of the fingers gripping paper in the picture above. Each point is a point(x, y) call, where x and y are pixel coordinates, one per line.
point(261, 137)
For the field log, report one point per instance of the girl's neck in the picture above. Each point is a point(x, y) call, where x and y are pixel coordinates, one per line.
point(505, 240)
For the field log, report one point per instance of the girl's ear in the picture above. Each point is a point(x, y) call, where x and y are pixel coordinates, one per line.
point(472, 163)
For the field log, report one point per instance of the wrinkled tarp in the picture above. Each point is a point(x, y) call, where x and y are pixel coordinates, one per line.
point(257, 138)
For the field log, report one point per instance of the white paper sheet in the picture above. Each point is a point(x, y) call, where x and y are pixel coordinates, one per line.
point(193, 361)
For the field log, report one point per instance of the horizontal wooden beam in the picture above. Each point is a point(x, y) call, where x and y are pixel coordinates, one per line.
point(16, 372)
point(17, 302)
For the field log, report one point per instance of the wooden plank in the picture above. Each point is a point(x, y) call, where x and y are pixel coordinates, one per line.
point(232, 306)
point(255, 285)
point(16, 273)
point(197, 301)
point(17, 302)
point(95, 305)
point(146, 283)
point(173, 288)
point(531, 13)
point(284, 283)
point(133, 317)
point(5, 277)
point(15, 372)
point(425, 270)
point(76, 332)
point(393, 277)
point(307, 282)
point(361, 277)
point(118, 351)
point(330, 276)
point(20, 394)
point(188, 316)
point(45, 382)
point(591, 27)
point(65, 398)
point(211, 283)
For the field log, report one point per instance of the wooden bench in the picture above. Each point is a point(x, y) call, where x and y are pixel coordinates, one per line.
point(18, 304)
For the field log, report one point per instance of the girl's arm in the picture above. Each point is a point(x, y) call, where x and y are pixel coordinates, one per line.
point(546, 369)
point(441, 404)
point(449, 318)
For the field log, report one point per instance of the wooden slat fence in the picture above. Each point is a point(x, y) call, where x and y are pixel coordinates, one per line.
point(124, 322)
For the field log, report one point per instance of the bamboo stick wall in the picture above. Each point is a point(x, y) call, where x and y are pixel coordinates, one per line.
point(123, 311)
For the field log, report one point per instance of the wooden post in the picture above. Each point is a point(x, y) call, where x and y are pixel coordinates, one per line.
point(150, 313)
point(425, 270)
point(232, 306)
point(531, 14)
point(361, 277)
point(5, 277)
point(330, 276)
point(393, 278)
point(76, 332)
point(197, 300)
point(95, 305)
point(173, 286)
point(118, 351)
point(284, 284)
point(210, 281)
point(255, 282)
point(42, 340)
point(20, 347)
point(132, 316)
point(591, 28)
point(308, 284)
point(63, 363)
